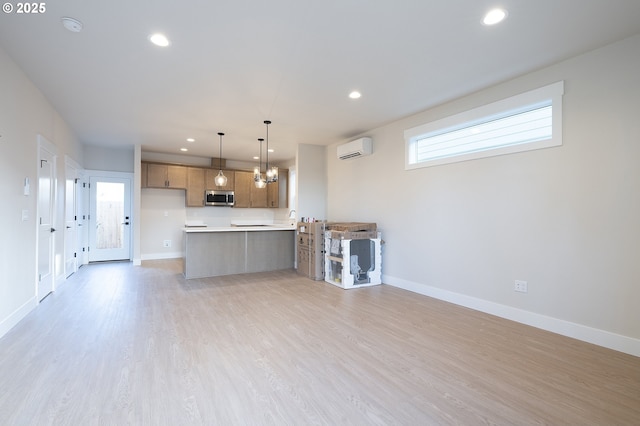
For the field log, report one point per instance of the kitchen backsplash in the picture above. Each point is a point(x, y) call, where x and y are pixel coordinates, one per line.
point(223, 216)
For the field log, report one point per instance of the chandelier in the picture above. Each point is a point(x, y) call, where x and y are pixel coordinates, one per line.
point(220, 179)
point(259, 181)
point(271, 173)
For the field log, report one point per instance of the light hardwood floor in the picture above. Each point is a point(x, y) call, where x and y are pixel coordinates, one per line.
point(119, 344)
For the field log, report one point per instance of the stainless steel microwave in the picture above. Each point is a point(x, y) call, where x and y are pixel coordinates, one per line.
point(216, 197)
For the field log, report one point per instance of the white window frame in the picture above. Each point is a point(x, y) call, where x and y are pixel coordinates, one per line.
point(513, 105)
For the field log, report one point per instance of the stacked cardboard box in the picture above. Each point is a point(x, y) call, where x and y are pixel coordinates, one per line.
point(310, 249)
point(352, 230)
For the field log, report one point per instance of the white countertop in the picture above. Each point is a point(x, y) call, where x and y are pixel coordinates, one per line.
point(274, 227)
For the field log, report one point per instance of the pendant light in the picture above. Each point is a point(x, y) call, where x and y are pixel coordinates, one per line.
point(271, 173)
point(257, 173)
point(221, 179)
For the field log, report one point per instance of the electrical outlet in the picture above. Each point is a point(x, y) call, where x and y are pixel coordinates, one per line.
point(521, 286)
point(166, 243)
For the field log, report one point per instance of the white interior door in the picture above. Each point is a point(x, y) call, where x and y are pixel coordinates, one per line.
point(46, 230)
point(70, 219)
point(110, 219)
point(82, 203)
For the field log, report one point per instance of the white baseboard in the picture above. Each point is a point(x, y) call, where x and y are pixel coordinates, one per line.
point(158, 256)
point(596, 336)
point(13, 319)
point(60, 279)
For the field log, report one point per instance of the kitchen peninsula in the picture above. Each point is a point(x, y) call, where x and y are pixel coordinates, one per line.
point(215, 251)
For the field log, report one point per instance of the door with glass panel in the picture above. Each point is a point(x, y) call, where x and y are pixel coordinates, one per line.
point(110, 219)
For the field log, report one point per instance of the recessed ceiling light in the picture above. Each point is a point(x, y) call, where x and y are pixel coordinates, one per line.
point(255, 157)
point(494, 16)
point(159, 39)
point(270, 150)
point(191, 140)
point(355, 94)
point(72, 24)
point(184, 149)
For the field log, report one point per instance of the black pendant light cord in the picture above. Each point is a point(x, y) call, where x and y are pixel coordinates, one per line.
point(220, 155)
point(267, 122)
point(260, 163)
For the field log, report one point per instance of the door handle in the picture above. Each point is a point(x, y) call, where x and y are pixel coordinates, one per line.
point(125, 223)
point(53, 229)
point(68, 227)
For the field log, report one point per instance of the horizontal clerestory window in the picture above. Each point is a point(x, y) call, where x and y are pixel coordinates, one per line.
point(524, 122)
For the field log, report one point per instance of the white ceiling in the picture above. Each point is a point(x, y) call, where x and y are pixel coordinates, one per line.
point(233, 64)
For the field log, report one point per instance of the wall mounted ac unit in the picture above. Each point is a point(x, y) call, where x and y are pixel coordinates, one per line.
point(358, 148)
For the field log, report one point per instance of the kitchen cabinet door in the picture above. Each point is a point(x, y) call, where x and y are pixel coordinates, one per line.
point(273, 194)
point(246, 193)
point(243, 184)
point(166, 176)
point(177, 177)
point(258, 195)
point(195, 187)
point(210, 174)
point(156, 175)
point(277, 192)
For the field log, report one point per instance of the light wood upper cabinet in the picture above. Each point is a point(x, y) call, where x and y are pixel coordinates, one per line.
point(210, 175)
point(277, 192)
point(258, 195)
point(156, 175)
point(166, 176)
point(195, 187)
point(177, 177)
point(199, 180)
point(273, 194)
point(246, 193)
point(196, 180)
point(242, 189)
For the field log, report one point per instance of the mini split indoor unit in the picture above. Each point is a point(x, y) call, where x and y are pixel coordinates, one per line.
point(358, 148)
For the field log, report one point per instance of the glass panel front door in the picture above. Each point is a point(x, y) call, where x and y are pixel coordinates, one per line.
point(110, 220)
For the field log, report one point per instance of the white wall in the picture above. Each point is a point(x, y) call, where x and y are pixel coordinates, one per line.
point(25, 113)
point(564, 219)
point(311, 175)
point(109, 159)
point(162, 218)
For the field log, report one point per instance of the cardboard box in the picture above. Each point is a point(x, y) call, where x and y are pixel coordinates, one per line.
point(351, 226)
point(352, 230)
point(345, 270)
